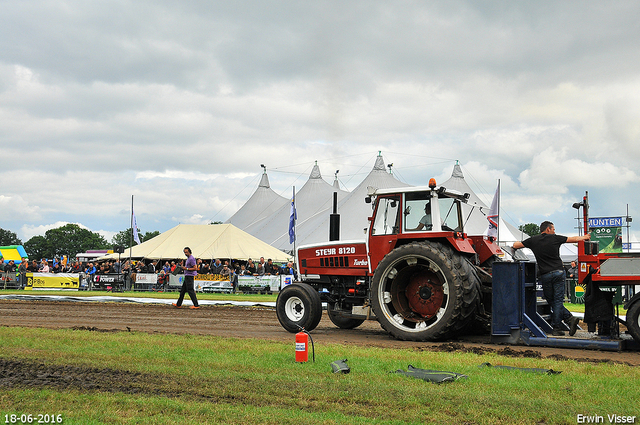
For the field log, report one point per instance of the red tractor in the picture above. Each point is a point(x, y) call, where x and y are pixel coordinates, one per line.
point(609, 269)
point(418, 273)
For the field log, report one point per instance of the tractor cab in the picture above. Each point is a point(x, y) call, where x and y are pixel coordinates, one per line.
point(401, 216)
point(424, 209)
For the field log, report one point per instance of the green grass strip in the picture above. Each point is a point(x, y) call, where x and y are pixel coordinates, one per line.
point(147, 294)
point(138, 378)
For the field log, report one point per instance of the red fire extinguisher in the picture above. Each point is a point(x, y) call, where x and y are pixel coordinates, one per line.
point(302, 346)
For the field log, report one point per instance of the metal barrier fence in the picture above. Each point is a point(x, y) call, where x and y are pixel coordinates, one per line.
point(10, 280)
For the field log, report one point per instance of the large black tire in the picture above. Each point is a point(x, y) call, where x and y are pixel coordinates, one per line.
point(633, 321)
point(424, 291)
point(299, 306)
point(340, 321)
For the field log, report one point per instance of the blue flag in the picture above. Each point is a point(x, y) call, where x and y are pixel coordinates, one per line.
point(292, 218)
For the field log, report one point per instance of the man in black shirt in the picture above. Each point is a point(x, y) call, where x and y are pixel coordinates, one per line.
point(270, 268)
point(216, 267)
point(546, 248)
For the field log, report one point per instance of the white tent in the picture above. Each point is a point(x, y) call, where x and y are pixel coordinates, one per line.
point(475, 211)
point(261, 205)
point(206, 242)
point(313, 199)
point(475, 214)
point(353, 210)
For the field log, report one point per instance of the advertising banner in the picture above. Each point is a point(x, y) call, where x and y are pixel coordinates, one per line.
point(145, 281)
point(218, 283)
point(175, 281)
point(578, 291)
point(607, 231)
point(146, 278)
point(259, 283)
point(52, 281)
point(107, 281)
point(212, 283)
point(609, 238)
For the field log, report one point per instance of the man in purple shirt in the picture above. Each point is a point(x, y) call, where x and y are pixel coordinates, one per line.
point(190, 270)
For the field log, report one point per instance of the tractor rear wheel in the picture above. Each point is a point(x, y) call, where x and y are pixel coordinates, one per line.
point(299, 306)
point(424, 291)
point(633, 320)
point(341, 321)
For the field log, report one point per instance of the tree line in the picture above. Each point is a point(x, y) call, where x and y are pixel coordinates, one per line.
point(70, 239)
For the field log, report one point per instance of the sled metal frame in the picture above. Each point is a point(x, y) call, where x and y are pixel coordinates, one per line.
point(515, 319)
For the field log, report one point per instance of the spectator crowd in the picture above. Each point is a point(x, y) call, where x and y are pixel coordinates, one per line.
point(227, 269)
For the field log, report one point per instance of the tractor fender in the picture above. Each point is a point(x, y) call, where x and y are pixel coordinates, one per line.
point(461, 245)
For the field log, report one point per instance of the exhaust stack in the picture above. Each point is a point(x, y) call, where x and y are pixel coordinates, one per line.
point(334, 220)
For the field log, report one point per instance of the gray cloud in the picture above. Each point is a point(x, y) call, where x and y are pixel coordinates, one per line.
point(183, 101)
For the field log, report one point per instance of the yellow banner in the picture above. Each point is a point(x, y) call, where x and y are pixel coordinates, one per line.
point(211, 277)
point(39, 281)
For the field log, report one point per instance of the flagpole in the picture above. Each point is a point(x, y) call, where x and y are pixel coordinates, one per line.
point(295, 258)
point(494, 216)
point(498, 229)
point(131, 239)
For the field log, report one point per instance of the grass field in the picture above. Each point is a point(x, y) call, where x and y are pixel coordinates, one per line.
point(146, 294)
point(137, 378)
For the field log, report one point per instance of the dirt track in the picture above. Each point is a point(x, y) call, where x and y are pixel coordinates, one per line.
point(250, 322)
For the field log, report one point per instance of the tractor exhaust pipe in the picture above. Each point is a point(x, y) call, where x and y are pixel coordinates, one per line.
point(334, 220)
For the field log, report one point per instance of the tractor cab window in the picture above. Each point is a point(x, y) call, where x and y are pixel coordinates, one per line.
point(450, 215)
point(419, 212)
point(386, 220)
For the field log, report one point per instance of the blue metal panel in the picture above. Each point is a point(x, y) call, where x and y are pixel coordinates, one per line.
point(515, 318)
point(506, 298)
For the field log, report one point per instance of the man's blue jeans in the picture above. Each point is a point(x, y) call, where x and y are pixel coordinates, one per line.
point(553, 291)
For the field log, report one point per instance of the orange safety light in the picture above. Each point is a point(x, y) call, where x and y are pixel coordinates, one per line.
point(432, 183)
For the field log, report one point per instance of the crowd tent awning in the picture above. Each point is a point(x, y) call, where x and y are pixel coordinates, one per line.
point(207, 241)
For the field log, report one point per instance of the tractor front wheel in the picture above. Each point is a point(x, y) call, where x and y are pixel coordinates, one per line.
point(299, 306)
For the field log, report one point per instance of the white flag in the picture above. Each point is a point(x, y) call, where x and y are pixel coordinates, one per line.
point(494, 214)
point(134, 227)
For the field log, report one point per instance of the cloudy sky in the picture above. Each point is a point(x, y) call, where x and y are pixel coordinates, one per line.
point(180, 102)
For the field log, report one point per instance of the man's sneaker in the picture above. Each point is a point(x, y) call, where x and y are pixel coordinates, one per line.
point(176, 305)
point(557, 332)
point(193, 307)
point(573, 325)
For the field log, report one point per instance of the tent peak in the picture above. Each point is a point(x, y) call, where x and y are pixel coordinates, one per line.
point(315, 172)
point(457, 171)
point(264, 181)
point(379, 165)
